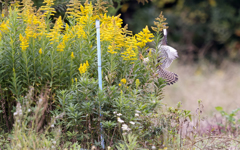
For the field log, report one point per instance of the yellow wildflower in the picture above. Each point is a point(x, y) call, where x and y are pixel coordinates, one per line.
point(129, 54)
point(83, 67)
point(72, 56)
point(76, 79)
point(111, 48)
point(56, 31)
point(124, 81)
point(87, 64)
point(48, 9)
point(61, 47)
point(131, 50)
point(4, 26)
point(120, 84)
point(160, 23)
point(137, 83)
point(24, 43)
point(144, 36)
point(111, 31)
point(40, 51)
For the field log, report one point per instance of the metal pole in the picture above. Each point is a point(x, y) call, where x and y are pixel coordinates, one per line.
point(99, 71)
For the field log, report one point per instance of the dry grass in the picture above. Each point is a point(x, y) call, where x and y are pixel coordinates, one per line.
point(215, 87)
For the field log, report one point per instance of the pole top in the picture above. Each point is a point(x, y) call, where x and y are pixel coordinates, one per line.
point(97, 24)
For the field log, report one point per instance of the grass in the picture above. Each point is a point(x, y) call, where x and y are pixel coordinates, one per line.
point(214, 86)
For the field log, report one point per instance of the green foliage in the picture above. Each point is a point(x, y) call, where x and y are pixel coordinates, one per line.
point(231, 121)
point(81, 106)
point(25, 133)
point(130, 142)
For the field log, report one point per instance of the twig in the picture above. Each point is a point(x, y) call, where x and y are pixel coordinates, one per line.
point(112, 136)
point(43, 105)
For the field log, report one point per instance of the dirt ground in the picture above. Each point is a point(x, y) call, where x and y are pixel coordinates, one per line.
point(215, 87)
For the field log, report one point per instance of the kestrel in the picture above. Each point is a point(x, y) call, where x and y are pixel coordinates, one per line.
point(166, 56)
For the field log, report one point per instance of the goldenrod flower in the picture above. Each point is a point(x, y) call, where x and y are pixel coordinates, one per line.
point(4, 26)
point(72, 56)
point(48, 9)
point(111, 31)
point(137, 83)
point(124, 81)
point(159, 23)
point(131, 50)
point(129, 54)
point(83, 67)
point(79, 30)
point(61, 47)
point(56, 31)
point(40, 51)
point(144, 37)
point(87, 64)
point(24, 43)
point(111, 48)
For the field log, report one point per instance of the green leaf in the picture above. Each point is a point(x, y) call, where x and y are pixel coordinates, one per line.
point(218, 108)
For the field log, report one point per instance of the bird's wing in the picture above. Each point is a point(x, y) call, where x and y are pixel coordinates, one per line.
point(168, 54)
point(170, 77)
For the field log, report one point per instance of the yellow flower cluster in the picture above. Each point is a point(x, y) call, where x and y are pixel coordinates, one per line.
point(55, 32)
point(24, 42)
point(48, 9)
point(62, 44)
point(111, 31)
point(131, 45)
point(121, 38)
point(30, 18)
point(137, 83)
point(83, 67)
point(82, 17)
point(124, 81)
point(4, 26)
point(61, 47)
point(160, 23)
point(72, 56)
point(79, 30)
point(144, 37)
point(40, 51)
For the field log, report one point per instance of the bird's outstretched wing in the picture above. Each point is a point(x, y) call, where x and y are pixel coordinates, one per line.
point(167, 55)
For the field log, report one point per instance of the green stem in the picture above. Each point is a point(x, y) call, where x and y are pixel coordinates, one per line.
point(71, 71)
point(34, 59)
point(26, 67)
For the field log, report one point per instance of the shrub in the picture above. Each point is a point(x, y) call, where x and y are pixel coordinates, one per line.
point(35, 52)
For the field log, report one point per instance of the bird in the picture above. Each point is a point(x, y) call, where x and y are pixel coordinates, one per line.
point(166, 55)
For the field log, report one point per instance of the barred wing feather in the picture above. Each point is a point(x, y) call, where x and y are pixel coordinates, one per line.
point(170, 77)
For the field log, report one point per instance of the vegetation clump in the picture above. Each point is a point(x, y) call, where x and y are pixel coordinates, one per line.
point(48, 89)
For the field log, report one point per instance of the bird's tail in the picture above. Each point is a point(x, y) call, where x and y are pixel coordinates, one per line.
point(170, 77)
